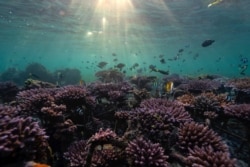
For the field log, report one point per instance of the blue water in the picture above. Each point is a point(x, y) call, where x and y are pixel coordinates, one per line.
point(79, 34)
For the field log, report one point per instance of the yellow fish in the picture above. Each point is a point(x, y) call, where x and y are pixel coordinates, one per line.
point(169, 87)
point(214, 3)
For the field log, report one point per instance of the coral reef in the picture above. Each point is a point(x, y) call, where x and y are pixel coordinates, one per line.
point(193, 135)
point(112, 75)
point(8, 91)
point(145, 153)
point(21, 138)
point(207, 156)
point(77, 154)
point(74, 96)
point(198, 86)
point(241, 111)
point(206, 102)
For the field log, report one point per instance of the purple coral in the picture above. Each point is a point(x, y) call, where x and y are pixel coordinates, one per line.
point(208, 156)
point(35, 99)
point(171, 111)
point(145, 153)
point(77, 154)
point(241, 111)
point(22, 138)
point(193, 135)
point(73, 96)
point(199, 86)
point(103, 136)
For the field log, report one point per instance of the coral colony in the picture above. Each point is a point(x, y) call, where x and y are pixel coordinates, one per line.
point(117, 122)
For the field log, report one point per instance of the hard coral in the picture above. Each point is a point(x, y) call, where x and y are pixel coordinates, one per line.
point(208, 156)
point(241, 111)
point(77, 154)
point(193, 135)
point(22, 138)
point(73, 96)
point(145, 153)
point(35, 99)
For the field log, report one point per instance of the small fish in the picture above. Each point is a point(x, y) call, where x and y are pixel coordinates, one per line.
point(168, 87)
point(120, 66)
point(114, 54)
point(207, 43)
point(161, 56)
point(34, 164)
point(81, 82)
point(181, 50)
point(163, 61)
point(102, 64)
point(214, 3)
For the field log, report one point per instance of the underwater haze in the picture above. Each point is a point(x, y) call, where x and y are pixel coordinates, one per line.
point(168, 34)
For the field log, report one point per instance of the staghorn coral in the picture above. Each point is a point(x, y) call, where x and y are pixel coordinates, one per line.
point(186, 99)
point(240, 84)
point(102, 136)
point(207, 156)
point(8, 111)
point(77, 154)
point(145, 153)
point(199, 86)
point(110, 90)
point(35, 99)
point(171, 111)
point(74, 96)
point(206, 102)
point(22, 138)
point(192, 134)
point(241, 111)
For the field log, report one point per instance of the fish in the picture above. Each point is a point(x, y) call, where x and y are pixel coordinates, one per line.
point(113, 54)
point(26, 164)
point(81, 82)
point(35, 164)
point(163, 61)
point(207, 42)
point(153, 68)
point(120, 66)
point(168, 87)
point(214, 3)
point(181, 50)
point(102, 64)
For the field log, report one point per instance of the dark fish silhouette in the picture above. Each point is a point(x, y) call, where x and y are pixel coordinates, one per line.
point(207, 43)
point(102, 64)
point(120, 66)
point(163, 61)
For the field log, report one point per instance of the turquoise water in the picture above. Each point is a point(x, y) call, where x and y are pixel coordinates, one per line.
point(79, 34)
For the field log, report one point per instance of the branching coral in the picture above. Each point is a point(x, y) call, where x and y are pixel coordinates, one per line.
point(73, 96)
point(192, 134)
point(199, 86)
point(100, 150)
point(145, 153)
point(207, 156)
point(77, 154)
point(170, 110)
point(206, 102)
point(22, 138)
point(186, 99)
point(241, 111)
point(35, 99)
